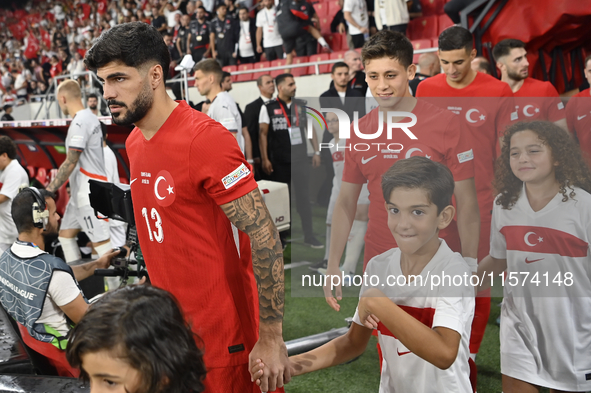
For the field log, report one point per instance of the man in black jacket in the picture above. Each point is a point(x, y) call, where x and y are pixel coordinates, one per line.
point(251, 120)
point(224, 34)
point(342, 96)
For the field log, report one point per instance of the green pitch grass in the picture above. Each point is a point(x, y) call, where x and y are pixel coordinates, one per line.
point(309, 314)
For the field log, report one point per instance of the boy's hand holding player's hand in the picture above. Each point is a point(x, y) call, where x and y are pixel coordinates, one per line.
point(257, 371)
point(333, 281)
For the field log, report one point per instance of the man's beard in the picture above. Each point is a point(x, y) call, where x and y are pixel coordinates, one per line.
point(138, 110)
point(516, 76)
point(93, 107)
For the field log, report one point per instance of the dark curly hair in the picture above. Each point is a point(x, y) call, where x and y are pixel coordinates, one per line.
point(144, 326)
point(572, 171)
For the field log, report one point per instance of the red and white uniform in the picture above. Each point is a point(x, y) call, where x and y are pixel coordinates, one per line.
point(545, 334)
point(179, 179)
point(537, 100)
point(440, 137)
point(446, 306)
point(485, 107)
point(578, 118)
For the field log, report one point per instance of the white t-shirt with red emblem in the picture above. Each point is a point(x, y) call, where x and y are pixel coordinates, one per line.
point(545, 334)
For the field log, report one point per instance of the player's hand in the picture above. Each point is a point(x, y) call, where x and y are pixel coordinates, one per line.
point(364, 30)
point(341, 28)
point(333, 280)
point(105, 261)
point(315, 161)
point(259, 49)
point(256, 371)
point(276, 370)
point(234, 55)
point(366, 316)
point(267, 166)
point(214, 54)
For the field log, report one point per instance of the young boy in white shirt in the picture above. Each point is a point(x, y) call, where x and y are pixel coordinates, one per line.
point(418, 296)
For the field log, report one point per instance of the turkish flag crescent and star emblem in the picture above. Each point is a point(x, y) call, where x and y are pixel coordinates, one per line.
point(164, 189)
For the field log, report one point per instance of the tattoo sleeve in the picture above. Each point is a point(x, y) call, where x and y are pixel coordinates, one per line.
point(65, 170)
point(249, 214)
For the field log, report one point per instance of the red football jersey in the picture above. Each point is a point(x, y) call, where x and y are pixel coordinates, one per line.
point(578, 118)
point(179, 179)
point(537, 100)
point(486, 108)
point(440, 137)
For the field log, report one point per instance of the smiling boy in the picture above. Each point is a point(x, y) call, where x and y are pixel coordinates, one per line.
point(424, 329)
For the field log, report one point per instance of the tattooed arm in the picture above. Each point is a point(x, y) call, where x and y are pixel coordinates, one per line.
point(65, 170)
point(249, 214)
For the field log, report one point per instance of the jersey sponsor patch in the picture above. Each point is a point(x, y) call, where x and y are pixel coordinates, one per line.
point(77, 140)
point(514, 116)
point(231, 179)
point(277, 112)
point(465, 156)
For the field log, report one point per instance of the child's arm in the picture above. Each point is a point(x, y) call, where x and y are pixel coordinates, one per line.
point(340, 350)
point(439, 346)
point(488, 266)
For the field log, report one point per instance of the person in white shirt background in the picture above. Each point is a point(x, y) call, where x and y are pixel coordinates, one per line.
point(267, 32)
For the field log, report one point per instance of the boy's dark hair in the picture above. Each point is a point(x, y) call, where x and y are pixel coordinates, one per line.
point(420, 172)
point(504, 47)
point(144, 326)
point(338, 64)
point(454, 38)
point(136, 44)
point(210, 66)
point(391, 44)
point(91, 95)
point(7, 146)
point(280, 78)
point(571, 171)
point(22, 209)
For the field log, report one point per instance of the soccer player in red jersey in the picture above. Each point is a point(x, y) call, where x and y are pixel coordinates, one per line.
point(578, 115)
point(432, 132)
point(189, 183)
point(484, 105)
point(535, 100)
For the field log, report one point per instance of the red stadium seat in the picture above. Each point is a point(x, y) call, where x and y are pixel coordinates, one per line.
point(435, 42)
point(321, 9)
point(444, 23)
point(423, 28)
point(323, 68)
point(244, 77)
point(337, 55)
point(337, 42)
point(325, 25)
point(299, 71)
point(277, 63)
point(333, 8)
point(42, 176)
point(432, 7)
point(231, 69)
point(31, 171)
point(419, 44)
point(259, 65)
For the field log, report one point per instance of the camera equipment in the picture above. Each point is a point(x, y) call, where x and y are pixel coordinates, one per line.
point(114, 202)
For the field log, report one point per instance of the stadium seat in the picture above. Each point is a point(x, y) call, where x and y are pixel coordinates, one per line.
point(419, 44)
point(337, 55)
point(277, 63)
point(42, 176)
point(337, 42)
point(31, 171)
point(333, 8)
point(323, 68)
point(299, 71)
point(244, 77)
point(259, 65)
point(443, 23)
point(325, 26)
point(423, 28)
point(432, 7)
point(321, 10)
point(231, 69)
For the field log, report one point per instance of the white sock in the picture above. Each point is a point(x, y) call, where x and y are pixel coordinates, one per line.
point(327, 248)
point(103, 248)
point(354, 246)
point(322, 42)
point(70, 248)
